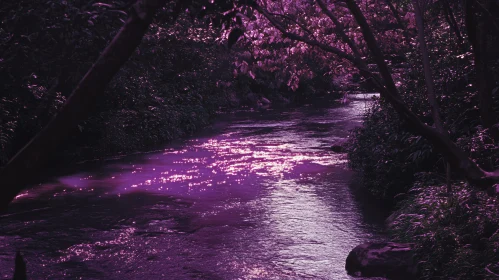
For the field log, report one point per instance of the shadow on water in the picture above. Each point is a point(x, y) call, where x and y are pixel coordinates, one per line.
point(374, 211)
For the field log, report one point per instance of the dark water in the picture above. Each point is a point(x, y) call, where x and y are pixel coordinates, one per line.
point(259, 197)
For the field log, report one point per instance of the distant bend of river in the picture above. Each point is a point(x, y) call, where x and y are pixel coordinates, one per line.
point(259, 196)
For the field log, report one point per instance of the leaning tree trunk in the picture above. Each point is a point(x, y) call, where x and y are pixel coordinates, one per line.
point(458, 159)
point(21, 168)
point(430, 86)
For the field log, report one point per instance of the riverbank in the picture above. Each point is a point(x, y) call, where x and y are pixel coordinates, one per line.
point(456, 234)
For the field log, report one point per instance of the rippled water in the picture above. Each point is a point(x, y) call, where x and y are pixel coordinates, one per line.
point(259, 197)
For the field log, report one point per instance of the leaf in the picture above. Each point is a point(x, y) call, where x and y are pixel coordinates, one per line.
point(234, 35)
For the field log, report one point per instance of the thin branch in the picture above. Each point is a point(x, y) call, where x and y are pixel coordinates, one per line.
point(297, 37)
point(372, 44)
point(430, 87)
point(340, 29)
point(490, 271)
point(296, 22)
point(396, 15)
point(451, 20)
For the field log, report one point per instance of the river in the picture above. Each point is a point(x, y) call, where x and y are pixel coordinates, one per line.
point(259, 195)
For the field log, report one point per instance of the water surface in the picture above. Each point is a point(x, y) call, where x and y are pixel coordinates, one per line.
point(260, 196)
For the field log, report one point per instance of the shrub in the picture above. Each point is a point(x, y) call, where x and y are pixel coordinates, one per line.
point(386, 154)
point(456, 236)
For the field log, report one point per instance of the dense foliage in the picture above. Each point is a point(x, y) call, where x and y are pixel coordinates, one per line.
point(161, 94)
point(456, 236)
point(183, 73)
point(179, 78)
point(455, 233)
point(386, 150)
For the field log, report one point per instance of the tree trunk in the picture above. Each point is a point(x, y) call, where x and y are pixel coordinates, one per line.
point(477, 34)
point(455, 156)
point(451, 20)
point(20, 169)
point(485, 80)
point(430, 87)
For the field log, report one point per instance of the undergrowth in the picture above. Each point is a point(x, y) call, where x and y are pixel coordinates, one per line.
point(456, 235)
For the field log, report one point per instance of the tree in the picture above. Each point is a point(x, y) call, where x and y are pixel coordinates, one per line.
point(20, 169)
point(352, 40)
point(23, 167)
point(385, 84)
point(480, 24)
point(419, 7)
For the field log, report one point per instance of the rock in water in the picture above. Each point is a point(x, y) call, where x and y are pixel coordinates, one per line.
point(388, 259)
point(340, 146)
point(338, 149)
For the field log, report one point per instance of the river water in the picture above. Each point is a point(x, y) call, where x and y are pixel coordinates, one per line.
point(258, 196)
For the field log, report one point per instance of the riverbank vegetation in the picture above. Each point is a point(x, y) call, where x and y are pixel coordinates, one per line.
point(434, 63)
point(176, 81)
point(453, 224)
point(159, 95)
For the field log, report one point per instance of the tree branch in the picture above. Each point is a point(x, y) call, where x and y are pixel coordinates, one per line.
point(339, 28)
point(296, 22)
point(400, 22)
point(296, 37)
point(20, 169)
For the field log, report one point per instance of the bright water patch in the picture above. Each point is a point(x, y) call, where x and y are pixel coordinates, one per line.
point(263, 198)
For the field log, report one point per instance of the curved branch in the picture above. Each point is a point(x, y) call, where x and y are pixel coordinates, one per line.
point(340, 29)
point(297, 37)
point(456, 156)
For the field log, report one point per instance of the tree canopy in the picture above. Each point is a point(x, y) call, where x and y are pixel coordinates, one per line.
point(297, 40)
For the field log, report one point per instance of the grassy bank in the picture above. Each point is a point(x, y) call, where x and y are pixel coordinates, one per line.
point(456, 235)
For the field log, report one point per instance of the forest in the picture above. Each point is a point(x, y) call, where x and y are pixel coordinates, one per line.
point(85, 81)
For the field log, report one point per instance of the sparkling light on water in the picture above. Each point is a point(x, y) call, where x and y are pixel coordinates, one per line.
point(264, 198)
